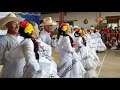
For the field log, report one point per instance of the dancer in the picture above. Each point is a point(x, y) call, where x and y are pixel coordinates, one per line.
point(92, 46)
point(84, 53)
point(47, 68)
point(45, 35)
point(100, 45)
point(70, 65)
point(13, 63)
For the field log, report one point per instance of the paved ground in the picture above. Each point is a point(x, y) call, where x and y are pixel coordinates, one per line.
point(110, 67)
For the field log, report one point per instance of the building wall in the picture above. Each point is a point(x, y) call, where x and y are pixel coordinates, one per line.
point(2, 15)
point(80, 16)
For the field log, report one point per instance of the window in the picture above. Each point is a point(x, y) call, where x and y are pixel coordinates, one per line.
point(113, 25)
point(113, 20)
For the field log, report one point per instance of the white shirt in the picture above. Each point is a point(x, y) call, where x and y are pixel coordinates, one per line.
point(45, 36)
point(12, 64)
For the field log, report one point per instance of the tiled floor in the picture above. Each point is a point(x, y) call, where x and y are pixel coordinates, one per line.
point(110, 67)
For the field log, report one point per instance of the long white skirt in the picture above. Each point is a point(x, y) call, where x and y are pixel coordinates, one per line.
point(48, 70)
point(100, 45)
point(86, 58)
point(88, 62)
point(71, 68)
point(91, 74)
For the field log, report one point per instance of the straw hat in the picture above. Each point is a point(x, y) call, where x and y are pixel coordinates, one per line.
point(48, 21)
point(85, 30)
point(93, 28)
point(76, 27)
point(67, 24)
point(10, 17)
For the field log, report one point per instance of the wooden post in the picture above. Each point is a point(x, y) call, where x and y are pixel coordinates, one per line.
point(61, 18)
point(99, 16)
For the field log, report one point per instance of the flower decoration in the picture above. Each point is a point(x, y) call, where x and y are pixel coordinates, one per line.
point(91, 30)
point(28, 28)
point(80, 30)
point(97, 30)
point(24, 23)
point(64, 27)
point(63, 24)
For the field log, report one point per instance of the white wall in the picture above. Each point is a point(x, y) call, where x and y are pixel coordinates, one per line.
point(80, 16)
point(2, 15)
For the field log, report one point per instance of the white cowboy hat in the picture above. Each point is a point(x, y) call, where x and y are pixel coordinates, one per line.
point(10, 17)
point(93, 28)
point(48, 21)
point(85, 29)
point(67, 24)
point(75, 27)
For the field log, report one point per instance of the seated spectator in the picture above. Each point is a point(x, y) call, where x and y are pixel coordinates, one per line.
point(107, 43)
point(114, 43)
point(118, 44)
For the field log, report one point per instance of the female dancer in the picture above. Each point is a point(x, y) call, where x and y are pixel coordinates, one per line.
point(84, 53)
point(70, 65)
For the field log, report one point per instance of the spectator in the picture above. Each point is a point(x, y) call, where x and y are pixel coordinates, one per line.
point(105, 30)
point(118, 44)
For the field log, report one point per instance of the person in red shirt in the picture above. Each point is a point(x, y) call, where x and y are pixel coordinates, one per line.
point(105, 30)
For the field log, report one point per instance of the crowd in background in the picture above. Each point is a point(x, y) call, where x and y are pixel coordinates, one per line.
point(109, 35)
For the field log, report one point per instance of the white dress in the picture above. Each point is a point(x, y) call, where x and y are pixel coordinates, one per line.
point(93, 41)
point(58, 43)
point(73, 36)
point(91, 49)
point(45, 36)
point(44, 67)
point(11, 58)
point(100, 45)
point(87, 59)
point(47, 64)
point(70, 65)
point(84, 53)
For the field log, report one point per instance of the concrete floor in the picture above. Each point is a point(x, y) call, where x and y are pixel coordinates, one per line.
point(110, 67)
